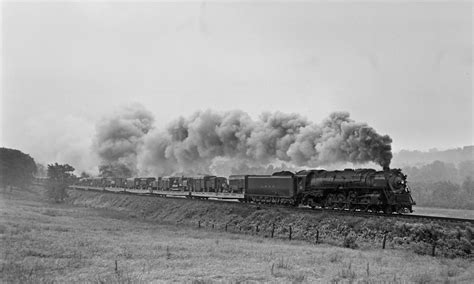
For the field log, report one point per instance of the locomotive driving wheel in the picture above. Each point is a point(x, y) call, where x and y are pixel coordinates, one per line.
point(388, 209)
point(365, 204)
point(331, 201)
point(341, 200)
point(351, 199)
point(324, 202)
point(311, 203)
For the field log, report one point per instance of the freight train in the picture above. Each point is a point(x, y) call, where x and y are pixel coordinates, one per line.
point(350, 189)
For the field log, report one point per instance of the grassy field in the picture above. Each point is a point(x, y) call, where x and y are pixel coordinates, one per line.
point(44, 242)
point(444, 212)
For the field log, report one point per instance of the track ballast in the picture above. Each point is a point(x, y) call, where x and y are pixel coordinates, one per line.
point(302, 208)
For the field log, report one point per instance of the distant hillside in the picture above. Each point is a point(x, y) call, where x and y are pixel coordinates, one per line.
point(416, 158)
point(439, 178)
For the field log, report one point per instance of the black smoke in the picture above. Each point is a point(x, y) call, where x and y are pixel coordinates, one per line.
point(119, 138)
point(220, 142)
point(233, 142)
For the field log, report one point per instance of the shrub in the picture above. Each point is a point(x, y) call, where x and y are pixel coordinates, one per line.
point(466, 246)
point(421, 248)
point(56, 191)
point(59, 178)
point(469, 233)
point(350, 241)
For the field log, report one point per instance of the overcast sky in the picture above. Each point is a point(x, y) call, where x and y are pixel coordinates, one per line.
point(404, 68)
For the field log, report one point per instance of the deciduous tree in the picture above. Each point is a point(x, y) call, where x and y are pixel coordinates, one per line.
point(16, 168)
point(59, 178)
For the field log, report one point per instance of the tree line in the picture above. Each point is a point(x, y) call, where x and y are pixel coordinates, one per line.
point(18, 170)
point(441, 184)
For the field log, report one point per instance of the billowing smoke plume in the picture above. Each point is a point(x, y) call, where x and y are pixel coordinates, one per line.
point(119, 139)
point(340, 139)
point(232, 142)
point(226, 142)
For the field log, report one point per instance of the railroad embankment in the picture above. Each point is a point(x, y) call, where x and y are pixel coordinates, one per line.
point(454, 240)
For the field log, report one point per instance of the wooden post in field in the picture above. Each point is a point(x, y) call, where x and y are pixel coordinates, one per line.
point(199, 224)
point(226, 227)
point(273, 229)
point(384, 240)
point(317, 236)
point(291, 231)
point(213, 225)
point(116, 267)
point(433, 249)
point(256, 229)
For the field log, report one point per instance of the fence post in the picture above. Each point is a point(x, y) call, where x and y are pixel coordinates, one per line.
point(273, 229)
point(199, 224)
point(384, 240)
point(433, 250)
point(213, 225)
point(290, 233)
point(226, 227)
point(256, 229)
point(116, 267)
point(317, 236)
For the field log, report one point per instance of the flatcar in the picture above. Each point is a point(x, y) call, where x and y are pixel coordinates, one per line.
point(144, 183)
point(238, 183)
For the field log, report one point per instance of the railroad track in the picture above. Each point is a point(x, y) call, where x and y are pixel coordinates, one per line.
point(302, 208)
point(394, 215)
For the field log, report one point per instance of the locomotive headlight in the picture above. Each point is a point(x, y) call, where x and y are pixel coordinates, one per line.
point(396, 183)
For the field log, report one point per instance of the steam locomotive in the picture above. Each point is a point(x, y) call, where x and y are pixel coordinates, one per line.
point(359, 189)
